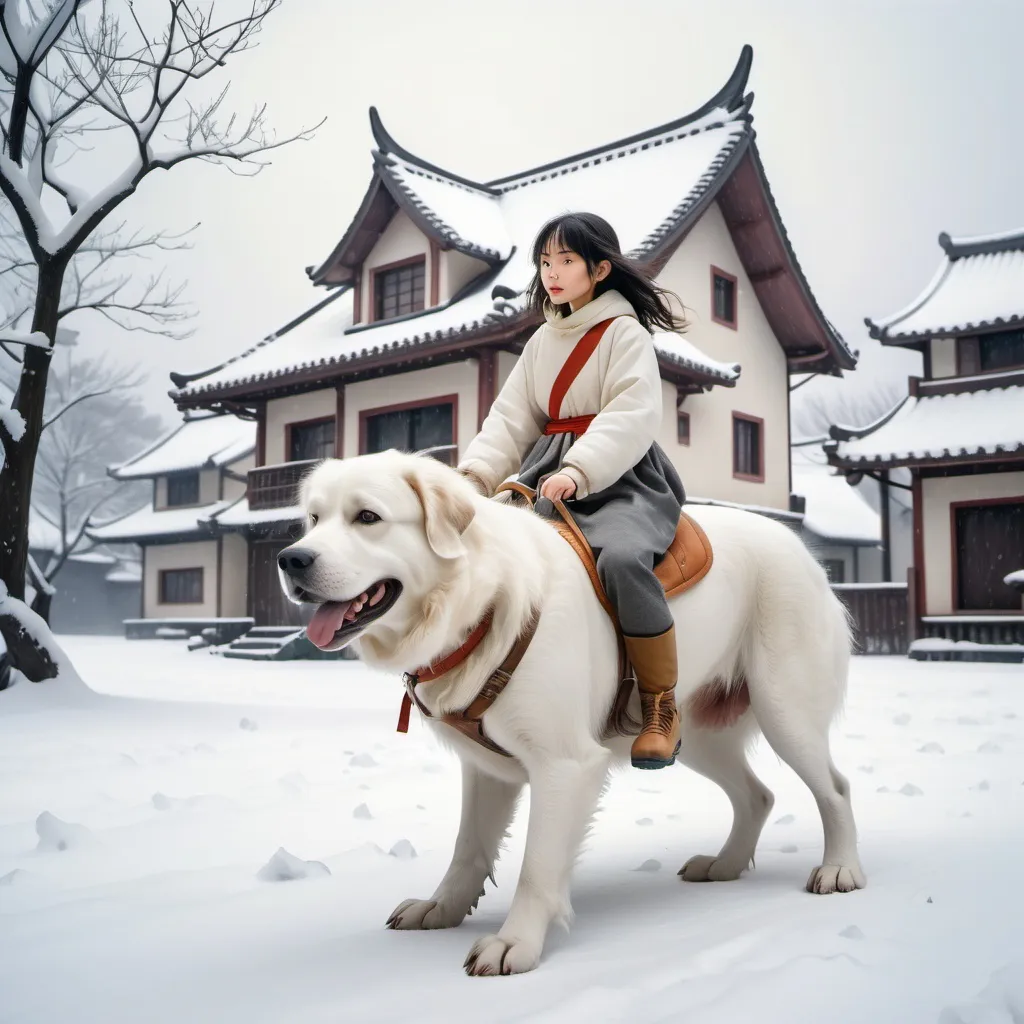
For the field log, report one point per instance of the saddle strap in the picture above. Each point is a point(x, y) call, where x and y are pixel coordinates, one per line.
point(469, 720)
point(582, 351)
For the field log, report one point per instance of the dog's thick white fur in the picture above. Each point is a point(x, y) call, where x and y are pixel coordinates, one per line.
point(764, 614)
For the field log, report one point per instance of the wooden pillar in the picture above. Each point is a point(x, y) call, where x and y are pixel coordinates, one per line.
point(339, 422)
point(261, 435)
point(435, 273)
point(920, 572)
point(487, 383)
point(883, 495)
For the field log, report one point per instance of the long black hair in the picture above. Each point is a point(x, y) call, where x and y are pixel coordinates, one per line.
point(594, 239)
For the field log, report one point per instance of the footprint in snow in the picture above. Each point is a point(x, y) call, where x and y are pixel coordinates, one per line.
point(643, 790)
point(204, 748)
point(364, 785)
point(248, 725)
point(15, 877)
point(901, 719)
point(851, 932)
point(649, 865)
point(403, 850)
point(883, 789)
point(789, 848)
point(363, 761)
point(983, 786)
point(58, 835)
point(433, 769)
point(127, 759)
point(294, 783)
point(286, 867)
point(674, 817)
point(988, 747)
point(968, 720)
point(867, 769)
point(909, 789)
point(645, 821)
point(421, 807)
point(362, 812)
point(931, 748)
point(786, 819)
point(1010, 715)
point(161, 801)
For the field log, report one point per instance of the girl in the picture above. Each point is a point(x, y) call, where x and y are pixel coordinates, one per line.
point(594, 443)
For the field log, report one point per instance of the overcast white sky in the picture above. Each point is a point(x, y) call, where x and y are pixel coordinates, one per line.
point(880, 123)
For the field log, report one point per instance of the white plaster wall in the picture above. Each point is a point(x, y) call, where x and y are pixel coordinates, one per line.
point(937, 494)
point(506, 360)
point(209, 486)
point(236, 488)
point(433, 382)
point(234, 578)
point(295, 409)
point(762, 390)
point(160, 493)
point(457, 270)
point(400, 240)
point(943, 357)
point(190, 555)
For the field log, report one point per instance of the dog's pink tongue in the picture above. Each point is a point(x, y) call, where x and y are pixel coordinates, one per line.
point(326, 621)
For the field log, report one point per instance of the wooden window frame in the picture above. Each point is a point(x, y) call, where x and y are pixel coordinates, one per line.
point(734, 323)
point(973, 342)
point(419, 403)
point(162, 575)
point(317, 420)
point(683, 418)
point(954, 561)
point(383, 269)
point(757, 478)
point(198, 474)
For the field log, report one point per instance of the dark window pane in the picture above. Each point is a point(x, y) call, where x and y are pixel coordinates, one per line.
point(399, 291)
point(311, 441)
point(1001, 350)
point(725, 299)
point(746, 447)
point(183, 489)
point(181, 586)
point(410, 430)
point(968, 357)
point(683, 427)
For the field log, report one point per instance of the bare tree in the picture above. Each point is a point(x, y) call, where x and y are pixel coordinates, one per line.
point(85, 76)
point(92, 421)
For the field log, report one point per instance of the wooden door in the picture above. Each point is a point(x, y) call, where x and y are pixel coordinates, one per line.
point(989, 544)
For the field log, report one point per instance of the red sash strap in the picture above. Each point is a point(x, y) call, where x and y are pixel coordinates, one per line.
point(572, 425)
point(570, 370)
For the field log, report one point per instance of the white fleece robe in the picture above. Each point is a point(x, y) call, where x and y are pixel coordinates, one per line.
point(619, 385)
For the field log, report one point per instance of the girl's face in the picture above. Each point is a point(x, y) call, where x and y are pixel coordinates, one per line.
point(565, 276)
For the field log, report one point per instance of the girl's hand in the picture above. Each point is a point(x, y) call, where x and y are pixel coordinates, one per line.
point(558, 486)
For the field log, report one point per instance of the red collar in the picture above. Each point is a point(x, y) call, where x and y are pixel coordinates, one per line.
point(436, 669)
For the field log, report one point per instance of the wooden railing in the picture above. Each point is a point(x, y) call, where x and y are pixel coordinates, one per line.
point(881, 616)
point(277, 486)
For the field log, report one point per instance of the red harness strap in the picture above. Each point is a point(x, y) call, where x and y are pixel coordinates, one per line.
point(438, 668)
point(577, 359)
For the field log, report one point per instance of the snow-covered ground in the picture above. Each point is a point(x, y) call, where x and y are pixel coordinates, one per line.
point(140, 830)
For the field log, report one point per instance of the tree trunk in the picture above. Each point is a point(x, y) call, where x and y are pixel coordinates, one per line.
point(17, 474)
point(41, 605)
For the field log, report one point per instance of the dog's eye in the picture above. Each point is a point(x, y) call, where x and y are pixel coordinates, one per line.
point(313, 519)
point(367, 518)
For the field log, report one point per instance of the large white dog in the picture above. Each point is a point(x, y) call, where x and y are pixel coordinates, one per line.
point(402, 555)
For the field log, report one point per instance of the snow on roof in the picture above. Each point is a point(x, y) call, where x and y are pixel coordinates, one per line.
point(199, 442)
point(941, 426)
point(835, 510)
point(979, 284)
point(239, 514)
point(147, 524)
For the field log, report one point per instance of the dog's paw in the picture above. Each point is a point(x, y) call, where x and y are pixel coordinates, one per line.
point(411, 915)
point(703, 868)
point(494, 955)
point(836, 878)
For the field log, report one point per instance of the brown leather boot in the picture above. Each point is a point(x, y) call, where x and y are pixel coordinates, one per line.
point(654, 659)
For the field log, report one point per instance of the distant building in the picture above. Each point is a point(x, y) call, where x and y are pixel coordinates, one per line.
point(960, 432)
point(198, 470)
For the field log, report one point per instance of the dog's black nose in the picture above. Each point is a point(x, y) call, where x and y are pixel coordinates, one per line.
point(296, 559)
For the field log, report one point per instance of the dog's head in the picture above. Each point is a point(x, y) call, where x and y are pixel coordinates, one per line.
point(382, 531)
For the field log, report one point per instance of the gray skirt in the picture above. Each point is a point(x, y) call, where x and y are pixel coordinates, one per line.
point(629, 525)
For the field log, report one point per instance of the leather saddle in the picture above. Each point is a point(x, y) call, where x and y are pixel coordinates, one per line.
point(683, 566)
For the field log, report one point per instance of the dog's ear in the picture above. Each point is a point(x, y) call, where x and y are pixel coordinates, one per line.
point(447, 512)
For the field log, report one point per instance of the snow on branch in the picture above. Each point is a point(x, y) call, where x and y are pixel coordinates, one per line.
point(36, 338)
point(77, 69)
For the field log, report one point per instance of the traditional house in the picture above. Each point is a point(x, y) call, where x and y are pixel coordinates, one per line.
point(839, 527)
point(960, 431)
point(190, 573)
point(424, 318)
